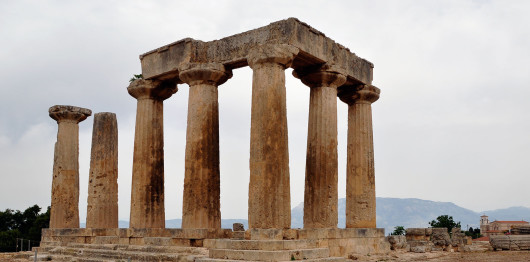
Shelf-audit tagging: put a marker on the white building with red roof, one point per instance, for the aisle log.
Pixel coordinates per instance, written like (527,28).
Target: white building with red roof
(498,227)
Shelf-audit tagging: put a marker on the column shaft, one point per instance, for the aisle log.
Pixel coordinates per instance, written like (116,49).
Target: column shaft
(360,172)
(269,203)
(147,194)
(202,188)
(321,180)
(102,202)
(65,185)
(201,207)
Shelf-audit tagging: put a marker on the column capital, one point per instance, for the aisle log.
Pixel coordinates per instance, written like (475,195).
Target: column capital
(281,54)
(204,73)
(151,89)
(365,94)
(62,113)
(325,75)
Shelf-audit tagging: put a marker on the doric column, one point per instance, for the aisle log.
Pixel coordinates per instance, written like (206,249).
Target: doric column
(102,201)
(321,175)
(65,184)
(202,188)
(269,203)
(360,173)
(147,194)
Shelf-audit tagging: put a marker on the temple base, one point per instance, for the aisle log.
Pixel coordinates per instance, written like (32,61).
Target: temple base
(327,242)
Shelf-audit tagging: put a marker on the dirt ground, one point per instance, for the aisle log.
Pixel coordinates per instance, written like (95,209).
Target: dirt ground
(15,257)
(398,256)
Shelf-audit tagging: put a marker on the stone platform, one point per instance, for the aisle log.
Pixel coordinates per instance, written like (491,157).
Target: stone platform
(214,245)
(133,236)
(341,242)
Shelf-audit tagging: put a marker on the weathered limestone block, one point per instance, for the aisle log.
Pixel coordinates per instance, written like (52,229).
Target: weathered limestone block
(440,237)
(147,194)
(521,230)
(428,231)
(65,185)
(420,249)
(102,202)
(321,179)
(510,242)
(458,239)
(238,227)
(201,208)
(269,189)
(360,173)
(397,242)
(416,234)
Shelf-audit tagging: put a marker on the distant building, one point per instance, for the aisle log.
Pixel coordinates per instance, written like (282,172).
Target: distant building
(497,227)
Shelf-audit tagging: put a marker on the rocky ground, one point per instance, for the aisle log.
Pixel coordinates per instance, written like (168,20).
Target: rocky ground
(398,256)
(401,255)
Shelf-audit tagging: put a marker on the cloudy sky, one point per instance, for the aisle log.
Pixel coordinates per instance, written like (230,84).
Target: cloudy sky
(452,124)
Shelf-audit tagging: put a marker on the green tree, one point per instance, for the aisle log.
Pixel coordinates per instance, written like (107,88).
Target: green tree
(41,221)
(16,224)
(445,221)
(398,231)
(473,233)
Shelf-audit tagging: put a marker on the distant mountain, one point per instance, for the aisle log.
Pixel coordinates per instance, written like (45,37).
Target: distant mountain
(511,213)
(413,212)
(177,223)
(225,223)
(391,212)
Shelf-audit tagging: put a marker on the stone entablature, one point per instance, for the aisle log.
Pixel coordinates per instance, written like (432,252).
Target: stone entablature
(314,49)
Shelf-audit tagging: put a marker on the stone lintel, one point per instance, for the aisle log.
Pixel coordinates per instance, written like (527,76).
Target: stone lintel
(75,114)
(315,49)
(361,94)
(151,89)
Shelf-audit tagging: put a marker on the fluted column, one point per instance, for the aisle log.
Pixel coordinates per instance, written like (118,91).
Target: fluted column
(65,184)
(360,173)
(147,194)
(269,203)
(202,188)
(321,176)
(102,201)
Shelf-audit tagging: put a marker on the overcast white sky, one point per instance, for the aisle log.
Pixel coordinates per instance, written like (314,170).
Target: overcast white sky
(452,123)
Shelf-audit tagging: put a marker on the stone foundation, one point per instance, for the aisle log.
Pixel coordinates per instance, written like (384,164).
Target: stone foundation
(133,236)
(340,242)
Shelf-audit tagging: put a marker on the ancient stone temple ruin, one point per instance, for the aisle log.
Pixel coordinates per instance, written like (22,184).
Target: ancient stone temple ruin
(329,69)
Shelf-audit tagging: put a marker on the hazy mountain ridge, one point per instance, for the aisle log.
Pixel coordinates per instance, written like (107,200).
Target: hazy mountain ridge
(413,212)
(391,212)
